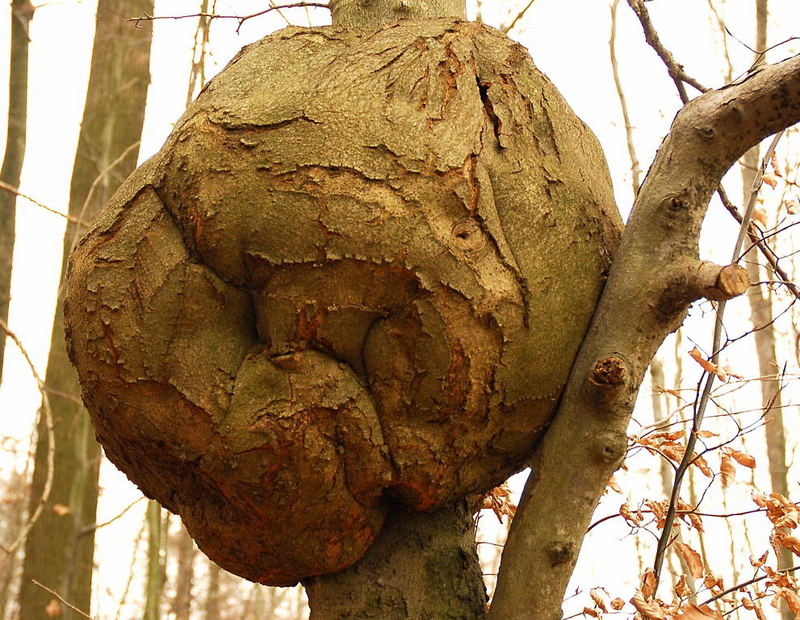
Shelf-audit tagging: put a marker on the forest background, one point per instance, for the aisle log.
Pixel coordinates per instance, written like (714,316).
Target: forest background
(571,41)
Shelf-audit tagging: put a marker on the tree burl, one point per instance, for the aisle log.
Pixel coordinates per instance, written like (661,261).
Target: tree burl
(361,266)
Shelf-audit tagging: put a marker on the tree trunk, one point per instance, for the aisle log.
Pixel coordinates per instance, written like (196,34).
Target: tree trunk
(59,548)
(423,565)
(154,578)
(373,14)
(182,602)
(212,592)
(762,318)
(21,15)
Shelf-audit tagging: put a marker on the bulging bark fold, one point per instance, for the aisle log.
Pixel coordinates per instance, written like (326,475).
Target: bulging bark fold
(361,265)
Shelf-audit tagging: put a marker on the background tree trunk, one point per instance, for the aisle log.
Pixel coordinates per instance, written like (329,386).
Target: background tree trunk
(182,602)
(761,315)
(154,580)
(212,592)
(21,15)
(374,14)
(59,548)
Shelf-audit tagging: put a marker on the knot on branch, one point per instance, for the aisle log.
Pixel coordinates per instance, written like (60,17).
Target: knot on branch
(693,280)
(561,552)
(609,375)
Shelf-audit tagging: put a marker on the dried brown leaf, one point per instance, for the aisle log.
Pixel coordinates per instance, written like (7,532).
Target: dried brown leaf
(649,584)
(61,509)
(770,179)
(759,562)
(791,598)
(692,559)
(53,609)
(649,609)
(599,600)
(727,470)
(693,612)
(744,459)
(708,366)
(681,589)
(634,518)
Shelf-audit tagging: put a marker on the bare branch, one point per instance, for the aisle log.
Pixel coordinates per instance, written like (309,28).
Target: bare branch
(674,69)
(240,18)
(83,614)
(700,407)
(47,412)
(756,237)
(519,16)
(13,190)
(636,170)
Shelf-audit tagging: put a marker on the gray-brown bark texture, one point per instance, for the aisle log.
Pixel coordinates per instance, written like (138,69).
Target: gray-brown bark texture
(361,265)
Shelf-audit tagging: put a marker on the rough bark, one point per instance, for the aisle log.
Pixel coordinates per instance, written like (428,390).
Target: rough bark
(645,298)
(423,565)
(361,266)
(21,15)
(59,548)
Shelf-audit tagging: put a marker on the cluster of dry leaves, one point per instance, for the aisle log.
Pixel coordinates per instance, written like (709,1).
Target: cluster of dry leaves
(768,583)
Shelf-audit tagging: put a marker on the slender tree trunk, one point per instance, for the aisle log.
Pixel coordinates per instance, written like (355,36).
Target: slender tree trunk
(182,602)
(154,579)
(11,517)
(212,592)
(21,15)
(762,318)
(59,548)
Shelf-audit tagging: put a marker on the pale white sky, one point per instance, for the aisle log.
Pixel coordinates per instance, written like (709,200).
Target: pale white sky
(568,40)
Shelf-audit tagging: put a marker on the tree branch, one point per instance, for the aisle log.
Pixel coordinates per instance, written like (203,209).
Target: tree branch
(675,70)
(240,18)
(587,438)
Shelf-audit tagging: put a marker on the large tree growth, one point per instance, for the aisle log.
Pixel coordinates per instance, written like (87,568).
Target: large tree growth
(377,268)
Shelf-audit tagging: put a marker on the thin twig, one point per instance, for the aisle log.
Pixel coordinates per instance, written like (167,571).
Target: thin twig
(675,70)
(13,190)
(688,455)
(757,238)
(61,598)
(636,171)
(51,442)
(749,582)
(96,526)
(97,180)
(520,15)
(240,18)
